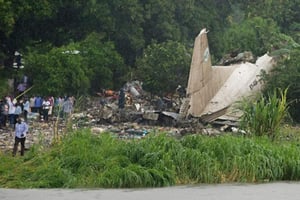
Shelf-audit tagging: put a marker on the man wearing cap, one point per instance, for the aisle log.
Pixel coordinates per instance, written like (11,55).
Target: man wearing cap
(21,130)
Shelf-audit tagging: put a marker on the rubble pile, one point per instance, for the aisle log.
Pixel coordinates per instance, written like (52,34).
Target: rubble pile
(141,115)
(140,111)
(236,57)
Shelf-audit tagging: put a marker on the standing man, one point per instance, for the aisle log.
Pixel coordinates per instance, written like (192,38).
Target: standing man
(121,99)
(67,107)
(46,106)
(21,131)
(26,108)
(11,112)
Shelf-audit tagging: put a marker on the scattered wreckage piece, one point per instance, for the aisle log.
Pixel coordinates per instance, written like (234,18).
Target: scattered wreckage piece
(212,90)
(230,59)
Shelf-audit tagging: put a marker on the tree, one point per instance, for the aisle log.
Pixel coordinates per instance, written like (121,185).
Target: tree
(163,67)
(106,68)
(160,23)
(287,75)
(7,20)
(285,13)
(58,72)
(255,34)
(77,68)
(127,30)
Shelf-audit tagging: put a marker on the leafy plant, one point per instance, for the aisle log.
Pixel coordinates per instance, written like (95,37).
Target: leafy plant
(265,116)
(163,67)
(287,74)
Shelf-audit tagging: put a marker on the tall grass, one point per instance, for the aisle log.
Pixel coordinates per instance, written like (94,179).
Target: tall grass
(265,116)
(82,159)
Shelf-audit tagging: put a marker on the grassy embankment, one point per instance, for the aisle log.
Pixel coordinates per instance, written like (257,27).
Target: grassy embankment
(83,160)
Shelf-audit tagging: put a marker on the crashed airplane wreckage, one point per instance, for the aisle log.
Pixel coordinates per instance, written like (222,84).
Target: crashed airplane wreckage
(209,98)
(212,90)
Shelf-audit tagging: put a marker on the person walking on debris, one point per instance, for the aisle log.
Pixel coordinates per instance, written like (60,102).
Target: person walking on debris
(121,98)
(21,131)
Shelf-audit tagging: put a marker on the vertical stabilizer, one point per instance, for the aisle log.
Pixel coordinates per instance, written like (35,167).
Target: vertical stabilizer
(200,75)
(200,71)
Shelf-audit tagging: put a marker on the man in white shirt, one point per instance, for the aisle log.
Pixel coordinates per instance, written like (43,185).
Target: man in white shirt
(21,131)
(45,111)
(11,111)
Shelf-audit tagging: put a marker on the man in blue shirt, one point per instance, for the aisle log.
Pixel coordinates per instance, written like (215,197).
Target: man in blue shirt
(38,104)
(21,131)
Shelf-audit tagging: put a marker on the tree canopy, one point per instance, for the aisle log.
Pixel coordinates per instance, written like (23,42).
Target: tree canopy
(164,63)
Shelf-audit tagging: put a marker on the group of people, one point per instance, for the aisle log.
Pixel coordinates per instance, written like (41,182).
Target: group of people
(14,112)
(11,108)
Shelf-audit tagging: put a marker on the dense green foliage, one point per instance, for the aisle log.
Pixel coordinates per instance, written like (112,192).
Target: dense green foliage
(114,38)
(76,67)
(251,35)
(171,65)
(85,160)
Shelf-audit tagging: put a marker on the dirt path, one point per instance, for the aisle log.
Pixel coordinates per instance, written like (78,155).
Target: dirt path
(274,191)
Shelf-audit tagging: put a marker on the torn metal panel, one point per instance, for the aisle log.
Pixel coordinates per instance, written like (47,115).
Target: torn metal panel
(150,115)
(173,115)
(212,89)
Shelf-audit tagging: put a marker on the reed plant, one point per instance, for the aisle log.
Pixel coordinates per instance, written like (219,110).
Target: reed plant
(264,116)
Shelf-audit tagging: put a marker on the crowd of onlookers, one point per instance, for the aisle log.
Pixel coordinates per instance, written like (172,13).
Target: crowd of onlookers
(12,108)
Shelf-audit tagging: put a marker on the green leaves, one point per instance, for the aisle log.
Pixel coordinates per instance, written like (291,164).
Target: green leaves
(163,67)
(7,20)
(254,34)
(77,68)
(63,69)
(106,68)
(287,74)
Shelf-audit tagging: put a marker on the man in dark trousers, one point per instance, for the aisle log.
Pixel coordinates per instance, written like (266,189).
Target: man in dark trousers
(21,131)
(121,102)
